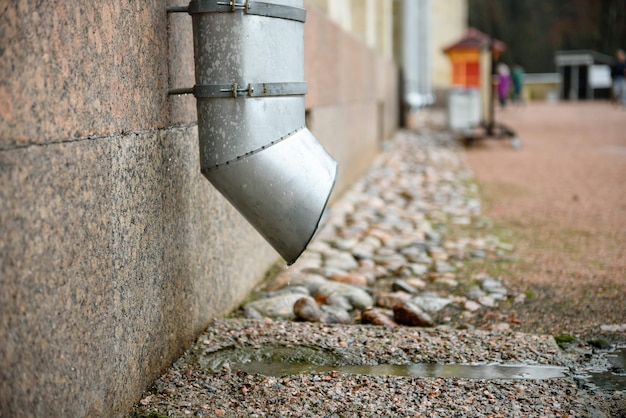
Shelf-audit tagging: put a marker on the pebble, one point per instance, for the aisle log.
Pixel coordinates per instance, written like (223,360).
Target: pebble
(416,282)
(403,286)
(492,285)
(487,301)
(385,245)
(350,278)
(275,307)
(377,316)
(306,309)
(412,316)
(310,281)
(333,314)
(446,281)
(358,298)
(475,293)
(419,269)
(389,300)
(341,260)
(500,327)
(339,301)
(302,290)
(471,306)
(430,303)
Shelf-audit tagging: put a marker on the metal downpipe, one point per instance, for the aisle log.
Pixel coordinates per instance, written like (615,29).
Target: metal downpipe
(254,145)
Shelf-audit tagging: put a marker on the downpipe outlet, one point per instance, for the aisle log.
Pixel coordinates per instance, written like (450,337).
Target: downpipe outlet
(254,146)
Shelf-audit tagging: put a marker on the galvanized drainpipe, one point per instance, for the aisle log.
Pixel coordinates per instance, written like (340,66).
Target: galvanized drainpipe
(416,54)
(254,145)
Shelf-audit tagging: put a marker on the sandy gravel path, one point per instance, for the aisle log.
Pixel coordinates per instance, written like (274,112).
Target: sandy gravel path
(563,197)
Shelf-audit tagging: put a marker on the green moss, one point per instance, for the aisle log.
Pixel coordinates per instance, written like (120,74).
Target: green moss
(564,339)
(530,295)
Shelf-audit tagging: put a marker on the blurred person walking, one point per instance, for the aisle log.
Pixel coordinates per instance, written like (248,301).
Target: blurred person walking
(618,75)
(504,83)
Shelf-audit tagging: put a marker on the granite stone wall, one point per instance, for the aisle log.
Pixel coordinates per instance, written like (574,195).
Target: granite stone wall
(114,250)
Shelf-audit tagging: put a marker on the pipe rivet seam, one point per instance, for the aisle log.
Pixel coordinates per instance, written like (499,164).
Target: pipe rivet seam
(251,153)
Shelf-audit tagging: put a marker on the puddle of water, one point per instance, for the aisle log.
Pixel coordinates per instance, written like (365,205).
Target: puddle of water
(488,371)
(611,375)
(280,360)
(235,356)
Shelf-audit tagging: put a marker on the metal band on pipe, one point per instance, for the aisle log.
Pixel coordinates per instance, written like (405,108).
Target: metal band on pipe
(249,7)
(249,90)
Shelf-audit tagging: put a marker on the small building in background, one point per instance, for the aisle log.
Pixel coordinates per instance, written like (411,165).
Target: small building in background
(472,59)
(542,87)
(584,74)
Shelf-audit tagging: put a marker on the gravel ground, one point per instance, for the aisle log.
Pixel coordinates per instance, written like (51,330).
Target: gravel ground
(190,387)
(412,231)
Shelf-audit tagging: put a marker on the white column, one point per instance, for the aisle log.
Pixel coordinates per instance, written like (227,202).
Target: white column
(340,12)
(370,23)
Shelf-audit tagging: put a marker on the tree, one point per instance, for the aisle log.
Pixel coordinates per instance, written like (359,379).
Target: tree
(534,30)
